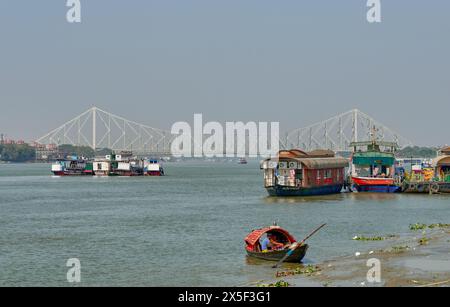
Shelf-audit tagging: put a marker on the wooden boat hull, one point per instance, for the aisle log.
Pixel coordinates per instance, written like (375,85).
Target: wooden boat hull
(296,257)
(313,191)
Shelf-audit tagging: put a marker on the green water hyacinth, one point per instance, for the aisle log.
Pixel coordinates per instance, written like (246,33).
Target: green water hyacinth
(419,226)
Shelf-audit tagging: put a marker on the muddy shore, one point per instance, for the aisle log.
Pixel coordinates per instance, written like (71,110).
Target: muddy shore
(419,259)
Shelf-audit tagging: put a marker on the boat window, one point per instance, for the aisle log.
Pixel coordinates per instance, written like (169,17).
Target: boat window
(327,174)
(319,177)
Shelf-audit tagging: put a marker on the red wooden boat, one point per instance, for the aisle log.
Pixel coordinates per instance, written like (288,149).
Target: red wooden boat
(361,181)
(253,245)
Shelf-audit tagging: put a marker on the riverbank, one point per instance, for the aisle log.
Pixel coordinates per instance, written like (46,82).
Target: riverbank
(421,259)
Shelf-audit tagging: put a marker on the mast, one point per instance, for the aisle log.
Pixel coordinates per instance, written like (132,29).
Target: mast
(94,128)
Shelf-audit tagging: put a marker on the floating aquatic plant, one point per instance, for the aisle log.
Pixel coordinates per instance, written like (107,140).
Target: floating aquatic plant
(419,226)
(307,271)
(399,249)
(423,241)
(377,238)
(278,284)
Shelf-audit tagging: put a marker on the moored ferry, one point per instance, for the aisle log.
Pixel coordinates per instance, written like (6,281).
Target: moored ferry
(373,166)
(298,173)
(72,166)
(118,165)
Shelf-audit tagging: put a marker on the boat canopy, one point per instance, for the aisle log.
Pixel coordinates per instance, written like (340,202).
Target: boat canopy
(373,158)
(445,151)
(316,159)
(252,240)
(323,163)
(441,161)
(297,153)
(311,163)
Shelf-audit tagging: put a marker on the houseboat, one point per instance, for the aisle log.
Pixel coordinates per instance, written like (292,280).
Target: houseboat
(72,166)
(430,180)
(298,173)
(153,167)
(373,167)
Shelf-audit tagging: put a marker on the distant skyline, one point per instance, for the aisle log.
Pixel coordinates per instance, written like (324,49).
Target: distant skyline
(158,62)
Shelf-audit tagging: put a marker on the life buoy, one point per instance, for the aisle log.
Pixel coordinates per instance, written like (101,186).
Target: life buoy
(434,188)
(412,187)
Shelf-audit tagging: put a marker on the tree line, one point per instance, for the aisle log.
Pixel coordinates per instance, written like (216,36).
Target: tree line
(17,153)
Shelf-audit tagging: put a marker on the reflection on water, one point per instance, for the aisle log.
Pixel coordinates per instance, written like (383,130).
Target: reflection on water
(304,199)
(373,196)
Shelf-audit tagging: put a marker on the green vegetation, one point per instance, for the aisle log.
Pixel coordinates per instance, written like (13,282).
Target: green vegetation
(417,152)
(307,271)
(423,241)
(17,153)
(278,284)
(378,238)
(399,249)
(419,226)
(80,151)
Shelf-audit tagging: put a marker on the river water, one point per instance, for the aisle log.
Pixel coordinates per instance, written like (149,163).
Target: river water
(184,229)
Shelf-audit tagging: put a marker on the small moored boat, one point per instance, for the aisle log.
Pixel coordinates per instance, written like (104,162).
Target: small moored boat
(253,245)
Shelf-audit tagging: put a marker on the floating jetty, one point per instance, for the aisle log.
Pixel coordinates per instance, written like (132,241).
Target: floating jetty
(430,180)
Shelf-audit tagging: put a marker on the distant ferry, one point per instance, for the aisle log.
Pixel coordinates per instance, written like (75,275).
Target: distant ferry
(298,173)
(153,168)
(72,166)
(242,161)
(119,165)
(373,166)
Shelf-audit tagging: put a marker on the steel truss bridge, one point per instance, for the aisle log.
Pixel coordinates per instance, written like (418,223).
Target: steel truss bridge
(338,132)
(99,129)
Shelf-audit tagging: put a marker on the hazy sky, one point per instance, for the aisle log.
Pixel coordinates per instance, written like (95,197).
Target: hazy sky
(157,62)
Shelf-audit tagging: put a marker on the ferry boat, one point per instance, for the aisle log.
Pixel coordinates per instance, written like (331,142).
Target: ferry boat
(152,167)
(298,173)
(72,166)
(242,161)
(119,165)
(373,166)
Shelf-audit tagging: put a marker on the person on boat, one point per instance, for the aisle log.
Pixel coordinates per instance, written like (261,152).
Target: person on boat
(270,243)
